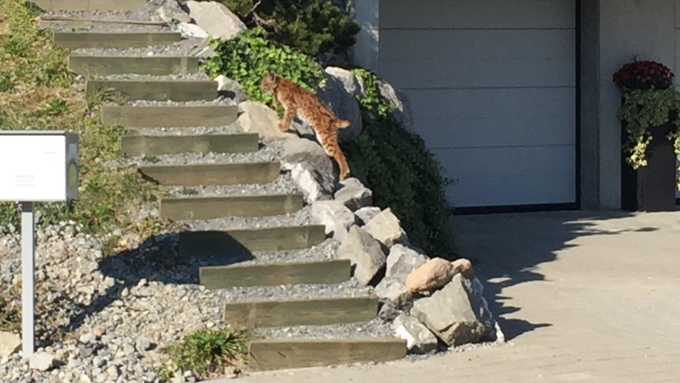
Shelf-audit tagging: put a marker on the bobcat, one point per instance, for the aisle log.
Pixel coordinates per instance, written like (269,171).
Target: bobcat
(304,104)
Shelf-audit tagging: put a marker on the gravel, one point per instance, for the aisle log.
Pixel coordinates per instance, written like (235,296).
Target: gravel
(302,217)
(123,309)
(200,76)
(146,14)
(181,48)
(265,154)
(376,328)
(284,184)
(224,101)
(183,131)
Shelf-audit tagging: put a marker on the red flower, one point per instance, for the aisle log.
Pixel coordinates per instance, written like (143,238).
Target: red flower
(644,75)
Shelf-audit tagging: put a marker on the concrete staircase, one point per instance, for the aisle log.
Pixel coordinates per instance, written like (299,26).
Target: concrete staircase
(265,354)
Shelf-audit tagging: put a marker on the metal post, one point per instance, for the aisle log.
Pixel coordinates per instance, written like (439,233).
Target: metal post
(27,278)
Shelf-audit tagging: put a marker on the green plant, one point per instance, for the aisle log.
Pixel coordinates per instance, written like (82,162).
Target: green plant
(403,174)
(313,27)
(247,57)
(43,95)
(189,191)
(648,100)
(206,353)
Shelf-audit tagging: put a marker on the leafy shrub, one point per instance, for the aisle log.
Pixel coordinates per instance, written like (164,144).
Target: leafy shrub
(403,174)
(206,352)
(42,95)
(313,27)
(247,57)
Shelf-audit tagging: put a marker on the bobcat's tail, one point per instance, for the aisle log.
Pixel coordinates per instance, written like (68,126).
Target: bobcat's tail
(342,124)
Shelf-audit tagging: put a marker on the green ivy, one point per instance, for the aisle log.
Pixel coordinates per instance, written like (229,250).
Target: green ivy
(247,57)
(402,172)
(641,110)
(313,27)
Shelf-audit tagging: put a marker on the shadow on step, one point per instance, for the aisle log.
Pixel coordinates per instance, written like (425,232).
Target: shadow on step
(166,259)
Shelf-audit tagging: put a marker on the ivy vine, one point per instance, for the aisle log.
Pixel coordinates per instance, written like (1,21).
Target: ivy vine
(643,109)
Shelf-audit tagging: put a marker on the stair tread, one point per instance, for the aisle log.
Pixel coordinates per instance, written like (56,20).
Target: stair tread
(284,184)
(183,48)
(370,330)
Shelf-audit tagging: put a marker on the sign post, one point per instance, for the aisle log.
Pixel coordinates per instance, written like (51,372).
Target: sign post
(38,166)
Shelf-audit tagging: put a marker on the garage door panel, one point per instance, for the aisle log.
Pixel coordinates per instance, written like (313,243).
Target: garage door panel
(474,44)
(489,117)
(491,85)
(410,74)
(508,161)
(517,190)
(477,14)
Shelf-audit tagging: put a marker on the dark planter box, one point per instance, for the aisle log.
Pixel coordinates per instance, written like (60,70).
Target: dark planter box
(651,188)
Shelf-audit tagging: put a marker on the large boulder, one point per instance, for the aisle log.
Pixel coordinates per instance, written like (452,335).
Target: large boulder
(385,227)
(172,12)
(365,254)
(431,276)
(215,18)
(455,314)
(402,112)
(419,340)
(9,344)
(354,194)
(256,117)
(343,105)
(314,184)
(352,84)
(337,218)
(312,170)
(297,150)
(400,264)
(366,214)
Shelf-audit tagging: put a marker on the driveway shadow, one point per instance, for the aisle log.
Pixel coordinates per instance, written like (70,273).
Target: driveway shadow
(505,249)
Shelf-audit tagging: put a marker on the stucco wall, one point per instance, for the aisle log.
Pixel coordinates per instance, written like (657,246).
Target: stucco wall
(623,30)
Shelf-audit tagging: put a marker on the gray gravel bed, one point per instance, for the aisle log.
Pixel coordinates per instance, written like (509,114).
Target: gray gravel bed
(265,154)
(302,217)
(200,76)
(224,101)
(348,289)
(284,184)
(180,48)
(198,130)
(376,328)
(147,13)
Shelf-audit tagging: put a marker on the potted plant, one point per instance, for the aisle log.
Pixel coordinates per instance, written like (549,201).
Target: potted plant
(650,135)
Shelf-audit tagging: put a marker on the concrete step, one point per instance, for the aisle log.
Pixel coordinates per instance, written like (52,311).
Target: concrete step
(250,240)
(138,145)
(237,173)
(200,208)
(275,274)
(94,66)
(301,312)
(157,90)
(169,116)
(85,39)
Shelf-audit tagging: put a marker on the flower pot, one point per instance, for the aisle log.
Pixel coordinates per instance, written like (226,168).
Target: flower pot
(652,187)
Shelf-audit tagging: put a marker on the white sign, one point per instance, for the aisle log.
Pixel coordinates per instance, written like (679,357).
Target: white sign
(38,166)
(35,166)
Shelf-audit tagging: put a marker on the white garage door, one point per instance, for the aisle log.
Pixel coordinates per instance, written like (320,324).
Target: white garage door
(492,89)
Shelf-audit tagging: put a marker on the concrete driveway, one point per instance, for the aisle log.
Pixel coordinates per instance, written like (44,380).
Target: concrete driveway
(582,297)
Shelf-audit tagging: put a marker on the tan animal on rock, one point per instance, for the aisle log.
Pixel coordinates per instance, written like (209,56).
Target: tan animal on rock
(303,103)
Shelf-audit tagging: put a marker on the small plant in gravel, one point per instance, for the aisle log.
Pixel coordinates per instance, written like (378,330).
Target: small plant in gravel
(313,27)
(247,57)
(402,172)
(38,92)
(206,353)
